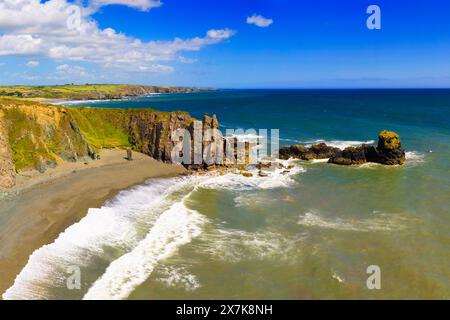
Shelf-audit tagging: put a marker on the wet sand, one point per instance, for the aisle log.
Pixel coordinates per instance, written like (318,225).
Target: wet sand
(41,206)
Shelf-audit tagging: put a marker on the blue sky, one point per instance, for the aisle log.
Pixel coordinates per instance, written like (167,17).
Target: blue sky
(310,44)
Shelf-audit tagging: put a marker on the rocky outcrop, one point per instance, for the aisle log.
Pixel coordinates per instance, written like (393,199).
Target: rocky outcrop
(316,151)
(149,132)
(388,152)
(350,156)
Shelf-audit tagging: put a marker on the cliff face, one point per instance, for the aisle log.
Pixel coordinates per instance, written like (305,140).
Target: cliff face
(144,130)
(7,168)
(37,136)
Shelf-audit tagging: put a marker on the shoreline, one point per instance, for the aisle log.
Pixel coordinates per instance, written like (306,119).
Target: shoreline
(64,101)
(41,206)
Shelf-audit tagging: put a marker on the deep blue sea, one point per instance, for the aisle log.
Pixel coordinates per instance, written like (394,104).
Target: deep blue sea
(311,234)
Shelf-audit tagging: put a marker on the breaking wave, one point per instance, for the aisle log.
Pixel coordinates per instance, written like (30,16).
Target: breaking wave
(175,227)
(113,225)
(341,144)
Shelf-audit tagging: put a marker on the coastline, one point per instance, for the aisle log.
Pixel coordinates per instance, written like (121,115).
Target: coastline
(42,206)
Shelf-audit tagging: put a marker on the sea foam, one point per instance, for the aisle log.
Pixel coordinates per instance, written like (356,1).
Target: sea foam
(382,222)
(175,227)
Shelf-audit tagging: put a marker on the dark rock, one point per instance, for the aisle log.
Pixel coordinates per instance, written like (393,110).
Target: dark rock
(316,151)
(350,156)
(262,173)
(129,154)
(389,150)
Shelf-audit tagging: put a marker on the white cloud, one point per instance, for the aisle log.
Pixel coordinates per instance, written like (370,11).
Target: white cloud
(259,20)
(32,63)
(143,5)
(69,72)
(19,45)
(40,30)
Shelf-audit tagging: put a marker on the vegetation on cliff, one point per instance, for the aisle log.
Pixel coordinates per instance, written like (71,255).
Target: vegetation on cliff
(40,136)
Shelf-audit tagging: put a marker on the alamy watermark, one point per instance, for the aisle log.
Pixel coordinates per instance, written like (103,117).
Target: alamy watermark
(73,281)
(374,280)
(374,20)
(73,21)
(197,146)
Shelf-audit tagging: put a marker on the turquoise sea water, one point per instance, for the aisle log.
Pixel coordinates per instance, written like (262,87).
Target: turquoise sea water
(309,234)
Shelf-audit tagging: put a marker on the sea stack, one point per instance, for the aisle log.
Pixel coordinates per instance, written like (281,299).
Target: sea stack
(388,151)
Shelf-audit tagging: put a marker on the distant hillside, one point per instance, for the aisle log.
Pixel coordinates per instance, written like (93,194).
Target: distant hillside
(89,91)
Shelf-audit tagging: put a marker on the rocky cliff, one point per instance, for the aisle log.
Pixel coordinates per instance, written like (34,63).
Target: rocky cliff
(38,136)
(7,168)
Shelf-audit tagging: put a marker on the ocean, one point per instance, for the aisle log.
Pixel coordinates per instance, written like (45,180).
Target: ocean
(309,234)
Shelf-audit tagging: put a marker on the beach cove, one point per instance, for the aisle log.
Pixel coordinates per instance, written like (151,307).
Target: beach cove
(309,234)
(43,205)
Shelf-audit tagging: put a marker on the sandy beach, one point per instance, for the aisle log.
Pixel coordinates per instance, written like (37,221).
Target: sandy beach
(41,206)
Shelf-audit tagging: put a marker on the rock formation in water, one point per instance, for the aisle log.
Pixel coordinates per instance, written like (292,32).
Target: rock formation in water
(388,152)
(316,151)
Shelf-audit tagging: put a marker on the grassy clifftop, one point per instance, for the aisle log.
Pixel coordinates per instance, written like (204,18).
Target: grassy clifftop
(87,92)
(34,135)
